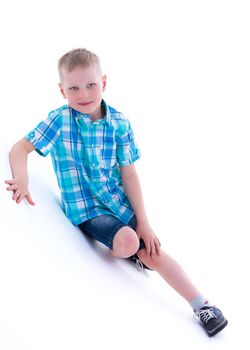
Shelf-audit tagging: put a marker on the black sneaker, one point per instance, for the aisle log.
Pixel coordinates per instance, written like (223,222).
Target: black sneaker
(138,263)
(211,319)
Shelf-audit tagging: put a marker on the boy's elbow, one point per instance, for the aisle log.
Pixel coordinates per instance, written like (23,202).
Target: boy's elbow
(15,149)
(22,146)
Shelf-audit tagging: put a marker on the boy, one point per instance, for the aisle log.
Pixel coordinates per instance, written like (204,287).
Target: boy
(93,151)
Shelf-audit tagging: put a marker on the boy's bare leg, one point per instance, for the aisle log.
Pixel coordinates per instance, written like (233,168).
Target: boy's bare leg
(171,272)
(211,318)
(126,243)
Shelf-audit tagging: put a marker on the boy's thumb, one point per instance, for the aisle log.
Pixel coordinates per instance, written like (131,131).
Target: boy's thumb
(29,199)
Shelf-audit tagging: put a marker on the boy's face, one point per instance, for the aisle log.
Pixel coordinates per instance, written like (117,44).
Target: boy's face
(83,89)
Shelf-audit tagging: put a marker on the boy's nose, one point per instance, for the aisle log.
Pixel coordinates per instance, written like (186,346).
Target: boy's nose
(83,94)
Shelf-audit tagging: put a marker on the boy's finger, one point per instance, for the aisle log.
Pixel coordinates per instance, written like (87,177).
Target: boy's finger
(12,187)
(148,248)
(16,195)
(30,200)
(158,247)
(20,198)
(153,250)
(9,182)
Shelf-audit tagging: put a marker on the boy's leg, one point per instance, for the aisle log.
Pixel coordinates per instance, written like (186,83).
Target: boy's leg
(120,238)
(126,243)
(171,272)
(209,315)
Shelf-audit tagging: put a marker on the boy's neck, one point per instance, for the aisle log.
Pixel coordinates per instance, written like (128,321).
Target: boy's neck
(100,115)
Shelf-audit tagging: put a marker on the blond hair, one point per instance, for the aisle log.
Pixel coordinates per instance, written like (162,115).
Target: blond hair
(78,58)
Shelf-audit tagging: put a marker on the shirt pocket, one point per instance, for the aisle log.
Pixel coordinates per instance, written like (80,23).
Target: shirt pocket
(108,153)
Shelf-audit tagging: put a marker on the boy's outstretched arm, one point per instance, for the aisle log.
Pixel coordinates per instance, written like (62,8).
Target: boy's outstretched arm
(133,190)
(18,160)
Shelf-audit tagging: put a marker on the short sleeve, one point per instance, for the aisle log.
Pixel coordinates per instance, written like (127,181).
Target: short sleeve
(45,135)
(127,151)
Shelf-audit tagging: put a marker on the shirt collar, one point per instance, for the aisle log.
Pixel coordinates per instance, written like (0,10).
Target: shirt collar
(85,117)
(105,107)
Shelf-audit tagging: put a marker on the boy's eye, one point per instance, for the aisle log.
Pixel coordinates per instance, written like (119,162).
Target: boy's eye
(74,88)
(91,85)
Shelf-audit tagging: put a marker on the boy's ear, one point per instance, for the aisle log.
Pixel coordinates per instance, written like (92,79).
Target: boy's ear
(104,82)
(62,90)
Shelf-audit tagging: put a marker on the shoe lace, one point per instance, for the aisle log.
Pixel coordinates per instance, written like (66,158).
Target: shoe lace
(139,264)
(205,315)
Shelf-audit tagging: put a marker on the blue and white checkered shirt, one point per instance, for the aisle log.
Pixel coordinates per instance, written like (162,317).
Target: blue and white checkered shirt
(86,157)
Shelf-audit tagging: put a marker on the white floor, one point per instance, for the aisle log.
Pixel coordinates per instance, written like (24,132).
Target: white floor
(180,71)
(61,291)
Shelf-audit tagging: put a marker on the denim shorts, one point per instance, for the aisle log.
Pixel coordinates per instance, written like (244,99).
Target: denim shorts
(103,228)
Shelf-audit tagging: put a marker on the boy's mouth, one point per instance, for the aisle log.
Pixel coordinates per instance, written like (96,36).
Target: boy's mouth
(85,103)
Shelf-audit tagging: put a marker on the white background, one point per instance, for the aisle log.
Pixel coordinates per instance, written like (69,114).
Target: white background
(180,71)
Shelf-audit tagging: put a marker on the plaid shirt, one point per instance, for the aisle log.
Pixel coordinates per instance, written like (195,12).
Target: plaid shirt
(86,157)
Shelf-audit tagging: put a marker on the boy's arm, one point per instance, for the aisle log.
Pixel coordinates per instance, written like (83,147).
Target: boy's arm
(133,190)
(18,160)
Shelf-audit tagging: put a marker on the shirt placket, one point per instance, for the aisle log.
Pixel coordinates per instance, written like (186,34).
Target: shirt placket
(97,187)
(92,148)
(100,190)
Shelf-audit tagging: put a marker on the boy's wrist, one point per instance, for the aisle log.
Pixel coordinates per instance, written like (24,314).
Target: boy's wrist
(21,179)
(142,219)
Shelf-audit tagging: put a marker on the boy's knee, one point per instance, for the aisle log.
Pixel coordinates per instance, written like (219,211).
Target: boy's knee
(126,243)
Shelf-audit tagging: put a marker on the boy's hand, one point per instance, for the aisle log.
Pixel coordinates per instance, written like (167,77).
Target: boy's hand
(152,243)
(20,191)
